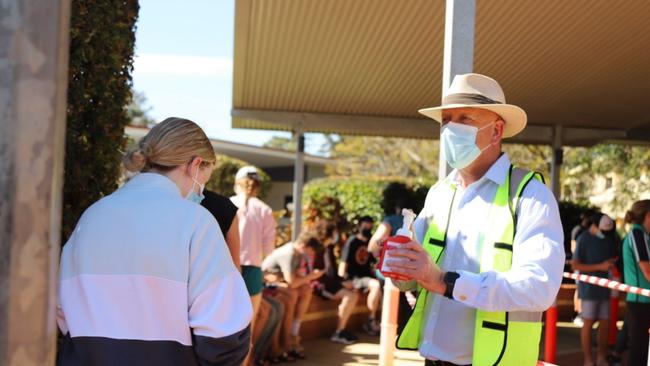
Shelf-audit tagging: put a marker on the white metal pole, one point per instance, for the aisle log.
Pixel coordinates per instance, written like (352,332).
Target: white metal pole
(458,57)
(390,307)
(298,182)
(556,161)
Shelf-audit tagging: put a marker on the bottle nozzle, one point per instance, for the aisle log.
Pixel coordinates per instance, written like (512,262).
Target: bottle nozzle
(409,217)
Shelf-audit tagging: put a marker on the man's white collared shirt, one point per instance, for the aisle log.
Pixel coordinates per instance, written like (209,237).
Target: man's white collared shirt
(530,285)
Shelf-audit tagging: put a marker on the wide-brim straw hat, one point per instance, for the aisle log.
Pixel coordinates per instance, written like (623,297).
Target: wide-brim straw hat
(480,91)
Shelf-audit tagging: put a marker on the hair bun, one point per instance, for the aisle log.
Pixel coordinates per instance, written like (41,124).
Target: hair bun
(135,160)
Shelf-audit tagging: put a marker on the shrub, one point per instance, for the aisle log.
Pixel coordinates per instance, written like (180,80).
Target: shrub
(345,200)
(102,37)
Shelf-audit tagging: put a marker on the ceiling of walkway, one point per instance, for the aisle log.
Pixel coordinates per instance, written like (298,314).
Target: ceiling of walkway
(367,66)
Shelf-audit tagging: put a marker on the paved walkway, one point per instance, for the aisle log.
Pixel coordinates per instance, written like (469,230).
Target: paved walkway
(366,352)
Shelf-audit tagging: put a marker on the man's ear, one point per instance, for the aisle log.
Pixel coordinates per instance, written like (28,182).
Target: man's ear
(499,127)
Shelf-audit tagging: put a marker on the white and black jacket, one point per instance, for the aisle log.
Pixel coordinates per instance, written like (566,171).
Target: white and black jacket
(146,279)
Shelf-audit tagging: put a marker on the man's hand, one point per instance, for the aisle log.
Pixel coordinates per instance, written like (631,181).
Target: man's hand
(412,260)
(347,285)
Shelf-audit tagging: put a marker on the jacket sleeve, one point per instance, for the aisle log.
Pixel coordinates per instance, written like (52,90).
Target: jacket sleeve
(220,310)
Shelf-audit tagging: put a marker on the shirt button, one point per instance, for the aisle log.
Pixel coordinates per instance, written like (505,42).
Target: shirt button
(463,297)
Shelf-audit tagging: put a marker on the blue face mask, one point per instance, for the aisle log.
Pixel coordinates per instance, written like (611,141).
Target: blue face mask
(459,144)
(192,195)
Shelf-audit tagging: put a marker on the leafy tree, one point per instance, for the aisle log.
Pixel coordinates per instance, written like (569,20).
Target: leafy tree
(102,38)
(289,144)
(282,143)
(533,157)
(628,163)
(384,157)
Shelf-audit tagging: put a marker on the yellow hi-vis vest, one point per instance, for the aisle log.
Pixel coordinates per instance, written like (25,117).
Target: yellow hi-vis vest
(500,338)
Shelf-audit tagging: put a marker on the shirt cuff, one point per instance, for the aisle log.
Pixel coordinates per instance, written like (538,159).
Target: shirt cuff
(467,287)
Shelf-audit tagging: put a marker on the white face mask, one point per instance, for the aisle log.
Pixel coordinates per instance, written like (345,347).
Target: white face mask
(459,144)
(193,195)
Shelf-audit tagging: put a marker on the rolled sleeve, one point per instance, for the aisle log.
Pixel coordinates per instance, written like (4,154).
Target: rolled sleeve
(538,261)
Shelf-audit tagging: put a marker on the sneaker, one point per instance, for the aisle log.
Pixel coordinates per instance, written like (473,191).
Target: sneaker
(350,335)
(343,337)
(298,355)
(578,320)
(371,327)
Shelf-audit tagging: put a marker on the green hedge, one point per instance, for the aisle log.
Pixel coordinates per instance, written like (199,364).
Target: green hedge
(102,39)
(344,200)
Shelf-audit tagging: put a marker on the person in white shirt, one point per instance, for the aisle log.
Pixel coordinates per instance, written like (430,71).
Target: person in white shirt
(146,277)
(485,277)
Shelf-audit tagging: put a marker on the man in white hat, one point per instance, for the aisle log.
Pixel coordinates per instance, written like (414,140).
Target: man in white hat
(488,253)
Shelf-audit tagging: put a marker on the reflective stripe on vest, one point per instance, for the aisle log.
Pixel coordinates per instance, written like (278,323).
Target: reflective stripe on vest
(500,338)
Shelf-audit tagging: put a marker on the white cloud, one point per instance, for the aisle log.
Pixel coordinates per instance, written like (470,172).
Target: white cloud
(149,64)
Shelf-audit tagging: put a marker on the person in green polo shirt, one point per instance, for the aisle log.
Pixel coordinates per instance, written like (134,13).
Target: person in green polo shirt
(636,261)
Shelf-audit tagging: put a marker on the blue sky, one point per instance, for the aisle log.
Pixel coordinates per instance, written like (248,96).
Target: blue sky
(183,66)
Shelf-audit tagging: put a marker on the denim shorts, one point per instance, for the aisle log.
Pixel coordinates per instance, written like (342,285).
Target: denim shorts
(595,309)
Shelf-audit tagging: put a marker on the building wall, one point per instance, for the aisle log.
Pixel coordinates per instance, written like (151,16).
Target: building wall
(277,194)
(282,184)
(606,189)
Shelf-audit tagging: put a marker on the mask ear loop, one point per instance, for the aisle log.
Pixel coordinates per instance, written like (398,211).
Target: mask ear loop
(195,180)
(196,176)
(484,127)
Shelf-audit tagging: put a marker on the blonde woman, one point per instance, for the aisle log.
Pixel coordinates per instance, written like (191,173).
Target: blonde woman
(146,277)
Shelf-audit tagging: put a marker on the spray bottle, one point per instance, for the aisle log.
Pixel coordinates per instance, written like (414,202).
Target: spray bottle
(403,236)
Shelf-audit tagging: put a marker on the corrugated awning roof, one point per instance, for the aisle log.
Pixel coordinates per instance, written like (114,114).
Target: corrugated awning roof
(367,66)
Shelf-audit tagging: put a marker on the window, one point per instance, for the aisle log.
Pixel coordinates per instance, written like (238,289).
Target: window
(608,182)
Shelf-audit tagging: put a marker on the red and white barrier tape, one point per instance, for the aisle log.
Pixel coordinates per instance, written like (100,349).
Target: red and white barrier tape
(604,282)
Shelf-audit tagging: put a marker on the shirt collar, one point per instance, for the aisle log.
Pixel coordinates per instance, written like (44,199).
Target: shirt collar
(638,226)
(496,173)
(154,181)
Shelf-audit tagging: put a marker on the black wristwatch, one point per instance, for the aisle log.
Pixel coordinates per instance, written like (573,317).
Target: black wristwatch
(450,280)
